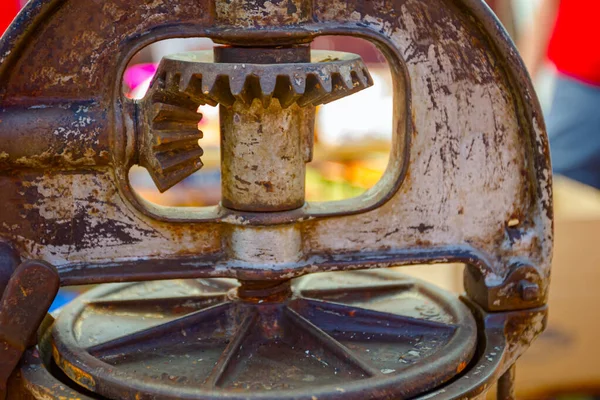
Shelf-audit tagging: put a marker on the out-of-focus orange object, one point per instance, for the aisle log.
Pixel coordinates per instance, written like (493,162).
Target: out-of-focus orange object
(8,11)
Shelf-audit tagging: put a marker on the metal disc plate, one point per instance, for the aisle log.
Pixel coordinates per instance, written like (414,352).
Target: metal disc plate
(351,335)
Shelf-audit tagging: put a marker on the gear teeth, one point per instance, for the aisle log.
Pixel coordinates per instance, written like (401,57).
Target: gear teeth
(166,181)
(325,81)
(209,88)
(173,80)
(364,77)
(174,126)
(188,102)
(185,80)
(237,84)
(314,91)
(251,90)
(170,160)
(183,138)
(173,150)
(343,85)
(221,91)
(209,81)
(169,112)
(267,86)
(335,75)
(298,81)
(286,92)
(165,90)
(192,88)
(169,146)
(346,79)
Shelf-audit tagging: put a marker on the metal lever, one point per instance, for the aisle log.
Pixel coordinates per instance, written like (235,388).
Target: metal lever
(26,300)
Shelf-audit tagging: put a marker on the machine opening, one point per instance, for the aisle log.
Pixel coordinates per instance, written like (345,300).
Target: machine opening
(352,135)
(447,276)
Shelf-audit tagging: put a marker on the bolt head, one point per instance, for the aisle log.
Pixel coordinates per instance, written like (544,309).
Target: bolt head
(529,290)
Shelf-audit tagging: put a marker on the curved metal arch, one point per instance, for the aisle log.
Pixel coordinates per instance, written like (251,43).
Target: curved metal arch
(32,78)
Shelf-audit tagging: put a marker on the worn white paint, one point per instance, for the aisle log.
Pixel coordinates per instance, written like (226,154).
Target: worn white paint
(260,246)
(465,180)
(62,199)
(468,149)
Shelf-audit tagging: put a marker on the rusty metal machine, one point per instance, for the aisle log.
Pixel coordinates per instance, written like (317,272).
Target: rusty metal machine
(266,296)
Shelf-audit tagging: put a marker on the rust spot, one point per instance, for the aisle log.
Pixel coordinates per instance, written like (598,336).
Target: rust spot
(422,228)
(266,184)
(237,178)
(73,372)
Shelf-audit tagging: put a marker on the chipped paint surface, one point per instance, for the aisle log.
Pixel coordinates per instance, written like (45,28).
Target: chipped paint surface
(263,13)
(263,157)
(260,246)
(79,70)
(68,134)
(71,218)
(468,162)
(520,339)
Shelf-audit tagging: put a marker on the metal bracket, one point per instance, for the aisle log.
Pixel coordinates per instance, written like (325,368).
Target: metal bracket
(523,288)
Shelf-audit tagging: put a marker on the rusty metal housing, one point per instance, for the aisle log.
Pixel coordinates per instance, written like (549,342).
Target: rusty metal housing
(469,181)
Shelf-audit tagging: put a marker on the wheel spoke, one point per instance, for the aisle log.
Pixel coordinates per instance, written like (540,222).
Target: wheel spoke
(355,287)
(136,339)
(388,341)
(173,305)
(212,285)
(373,289)
(331,314)
(216,376)
(331,344)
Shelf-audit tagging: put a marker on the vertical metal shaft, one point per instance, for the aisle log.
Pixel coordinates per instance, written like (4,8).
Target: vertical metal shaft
(506,385)
(263,147)
(263,157)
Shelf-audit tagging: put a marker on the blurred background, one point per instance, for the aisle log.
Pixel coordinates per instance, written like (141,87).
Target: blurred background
(560,43)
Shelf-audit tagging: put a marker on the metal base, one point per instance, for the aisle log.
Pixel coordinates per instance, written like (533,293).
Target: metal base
(502,338)
(358,335)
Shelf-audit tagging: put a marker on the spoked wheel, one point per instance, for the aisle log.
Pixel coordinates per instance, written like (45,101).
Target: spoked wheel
(346,335)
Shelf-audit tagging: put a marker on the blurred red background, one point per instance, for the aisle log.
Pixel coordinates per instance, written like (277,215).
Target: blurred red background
(8,11)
